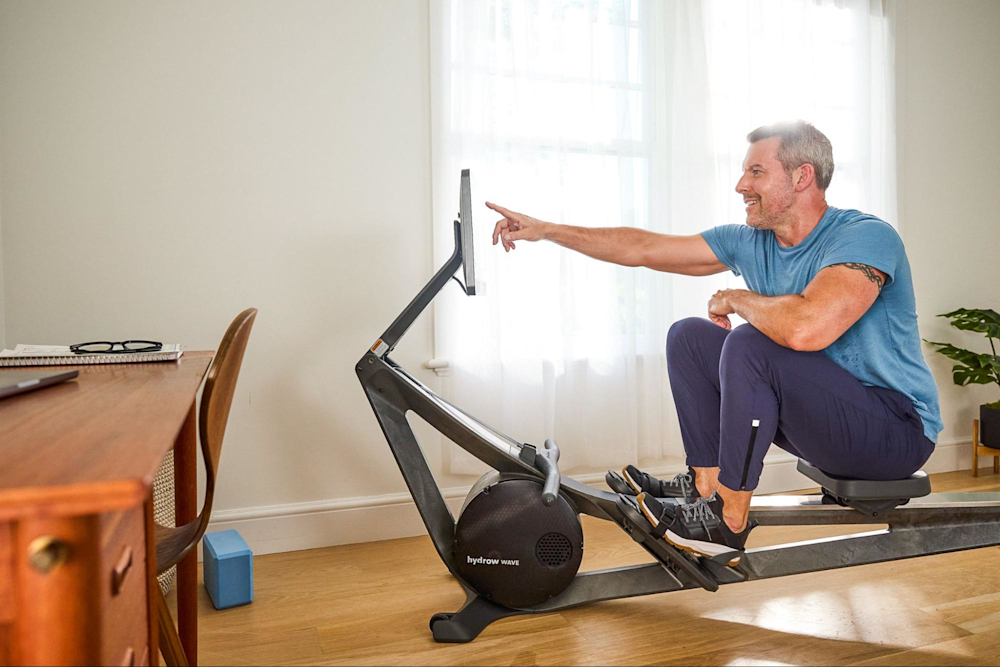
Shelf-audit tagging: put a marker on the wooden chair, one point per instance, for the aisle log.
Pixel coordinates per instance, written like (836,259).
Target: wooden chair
(982,450)
(173,544)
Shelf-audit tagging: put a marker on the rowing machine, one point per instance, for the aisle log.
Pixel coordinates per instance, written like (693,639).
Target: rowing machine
(517,544)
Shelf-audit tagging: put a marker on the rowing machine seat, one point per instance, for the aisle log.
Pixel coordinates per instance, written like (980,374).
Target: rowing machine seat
(867,496)
(916,485)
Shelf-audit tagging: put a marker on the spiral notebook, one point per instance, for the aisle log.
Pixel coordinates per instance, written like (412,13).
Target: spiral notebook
(60,355)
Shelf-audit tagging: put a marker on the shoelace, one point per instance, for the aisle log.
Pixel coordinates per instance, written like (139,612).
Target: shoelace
(684,481)
(699,512)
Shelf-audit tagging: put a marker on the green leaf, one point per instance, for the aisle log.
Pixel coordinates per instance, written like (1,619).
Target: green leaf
(959,354)
(964,375)
(985,321)
(972,368)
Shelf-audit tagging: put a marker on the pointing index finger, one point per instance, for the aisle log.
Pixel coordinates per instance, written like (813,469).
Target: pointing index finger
(501,210)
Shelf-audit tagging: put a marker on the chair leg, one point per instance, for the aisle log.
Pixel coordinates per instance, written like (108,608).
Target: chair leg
(170,643)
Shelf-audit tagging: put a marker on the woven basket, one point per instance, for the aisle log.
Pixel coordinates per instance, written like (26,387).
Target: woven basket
(163,510)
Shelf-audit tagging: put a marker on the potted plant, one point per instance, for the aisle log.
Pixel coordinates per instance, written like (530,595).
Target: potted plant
(977,368)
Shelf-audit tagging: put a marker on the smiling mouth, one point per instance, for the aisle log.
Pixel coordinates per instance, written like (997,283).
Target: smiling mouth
(751,202)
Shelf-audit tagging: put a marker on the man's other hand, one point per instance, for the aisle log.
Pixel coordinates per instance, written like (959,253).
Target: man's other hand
(516,227)
(719,309)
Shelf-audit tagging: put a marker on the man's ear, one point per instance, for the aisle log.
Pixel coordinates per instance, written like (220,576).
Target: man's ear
(805,175)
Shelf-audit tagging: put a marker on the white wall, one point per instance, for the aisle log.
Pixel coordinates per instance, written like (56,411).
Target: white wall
(163,166)
(949,157)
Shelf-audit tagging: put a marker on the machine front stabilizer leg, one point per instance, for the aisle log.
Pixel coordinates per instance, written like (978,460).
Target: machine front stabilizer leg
(465,624)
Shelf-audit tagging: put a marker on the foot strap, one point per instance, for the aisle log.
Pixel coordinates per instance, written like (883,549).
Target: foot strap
(618,484)
(636,524)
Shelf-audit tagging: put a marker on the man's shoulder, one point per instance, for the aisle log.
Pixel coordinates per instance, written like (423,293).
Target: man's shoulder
(854,223)
(732,232)
(849,217)
(738,232)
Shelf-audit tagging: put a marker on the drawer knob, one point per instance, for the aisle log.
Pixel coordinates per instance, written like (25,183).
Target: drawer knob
(122,568)
(46,553)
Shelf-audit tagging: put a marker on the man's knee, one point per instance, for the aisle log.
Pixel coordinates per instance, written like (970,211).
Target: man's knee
(683,331)
(746,339)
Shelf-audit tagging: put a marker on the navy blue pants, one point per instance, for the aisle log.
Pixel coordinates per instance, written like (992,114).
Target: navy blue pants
(738,391)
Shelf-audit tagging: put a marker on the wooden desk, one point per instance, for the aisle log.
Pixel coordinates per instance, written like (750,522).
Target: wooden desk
(77,463)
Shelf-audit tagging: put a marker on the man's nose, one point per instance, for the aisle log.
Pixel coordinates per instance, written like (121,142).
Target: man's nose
(740,186)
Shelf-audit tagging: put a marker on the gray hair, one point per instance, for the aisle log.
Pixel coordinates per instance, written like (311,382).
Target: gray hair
(800,143)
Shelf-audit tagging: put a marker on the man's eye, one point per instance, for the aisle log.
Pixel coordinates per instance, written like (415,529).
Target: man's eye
(757,172)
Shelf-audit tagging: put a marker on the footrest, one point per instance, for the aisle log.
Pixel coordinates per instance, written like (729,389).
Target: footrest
(916,485)
(673,560)
(617,483)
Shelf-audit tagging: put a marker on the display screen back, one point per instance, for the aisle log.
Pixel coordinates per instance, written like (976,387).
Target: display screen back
(468,247)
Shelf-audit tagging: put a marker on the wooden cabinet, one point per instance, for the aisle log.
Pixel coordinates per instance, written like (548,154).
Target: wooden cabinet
(77,553)
(73,590)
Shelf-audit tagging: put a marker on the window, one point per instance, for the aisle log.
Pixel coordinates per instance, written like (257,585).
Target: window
(624,113)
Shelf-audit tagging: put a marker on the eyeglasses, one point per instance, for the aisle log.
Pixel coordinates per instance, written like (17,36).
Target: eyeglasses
(127,347)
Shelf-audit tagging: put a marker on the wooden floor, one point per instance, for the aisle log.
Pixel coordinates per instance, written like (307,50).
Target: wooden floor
(369,604)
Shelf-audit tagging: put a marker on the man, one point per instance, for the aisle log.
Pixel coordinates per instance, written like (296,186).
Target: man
(828,367)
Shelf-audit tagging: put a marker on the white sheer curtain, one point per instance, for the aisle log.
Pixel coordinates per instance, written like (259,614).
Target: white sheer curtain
(622,113)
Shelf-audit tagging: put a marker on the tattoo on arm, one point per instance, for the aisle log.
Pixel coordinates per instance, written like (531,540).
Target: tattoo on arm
(867,270)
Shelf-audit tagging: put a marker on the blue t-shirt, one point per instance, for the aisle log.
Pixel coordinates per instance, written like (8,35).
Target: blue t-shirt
(882,348)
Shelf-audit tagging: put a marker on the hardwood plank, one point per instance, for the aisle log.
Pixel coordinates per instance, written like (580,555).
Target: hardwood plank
(271,647)
(531,639)
(975,614)
(978,649)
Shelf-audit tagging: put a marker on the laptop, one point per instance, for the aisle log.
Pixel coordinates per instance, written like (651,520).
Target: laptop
(18,382)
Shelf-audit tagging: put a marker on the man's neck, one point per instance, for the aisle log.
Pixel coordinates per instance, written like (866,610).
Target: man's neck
(798,225)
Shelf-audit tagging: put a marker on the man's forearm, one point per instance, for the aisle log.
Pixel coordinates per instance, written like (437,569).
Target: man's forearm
(618,245)
(781,318)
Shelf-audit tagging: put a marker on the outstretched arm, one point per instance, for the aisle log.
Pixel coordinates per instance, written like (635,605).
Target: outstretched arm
(829,305)
(627,246)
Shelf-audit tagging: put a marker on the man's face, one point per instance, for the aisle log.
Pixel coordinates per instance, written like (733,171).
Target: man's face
(767,190)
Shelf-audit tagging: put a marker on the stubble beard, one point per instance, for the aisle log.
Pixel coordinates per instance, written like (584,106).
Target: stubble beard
(769,216)
(760,219)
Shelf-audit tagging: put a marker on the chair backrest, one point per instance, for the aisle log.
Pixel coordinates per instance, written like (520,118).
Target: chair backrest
(217,398)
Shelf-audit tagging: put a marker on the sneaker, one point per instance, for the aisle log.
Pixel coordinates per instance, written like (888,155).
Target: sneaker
(696,527)
(633,481)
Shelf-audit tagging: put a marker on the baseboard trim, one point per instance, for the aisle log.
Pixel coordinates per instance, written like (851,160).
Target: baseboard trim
(313,525)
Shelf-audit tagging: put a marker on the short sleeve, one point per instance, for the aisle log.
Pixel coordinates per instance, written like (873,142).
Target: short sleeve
(726,241)
(871,242)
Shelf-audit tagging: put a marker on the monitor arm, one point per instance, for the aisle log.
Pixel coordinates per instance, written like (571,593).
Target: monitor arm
(387,342)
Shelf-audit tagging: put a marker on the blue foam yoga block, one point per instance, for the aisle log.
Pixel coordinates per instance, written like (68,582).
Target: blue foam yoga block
(228,569)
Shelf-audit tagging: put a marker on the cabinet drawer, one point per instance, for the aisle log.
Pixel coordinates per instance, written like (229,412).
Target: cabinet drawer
(123,588)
